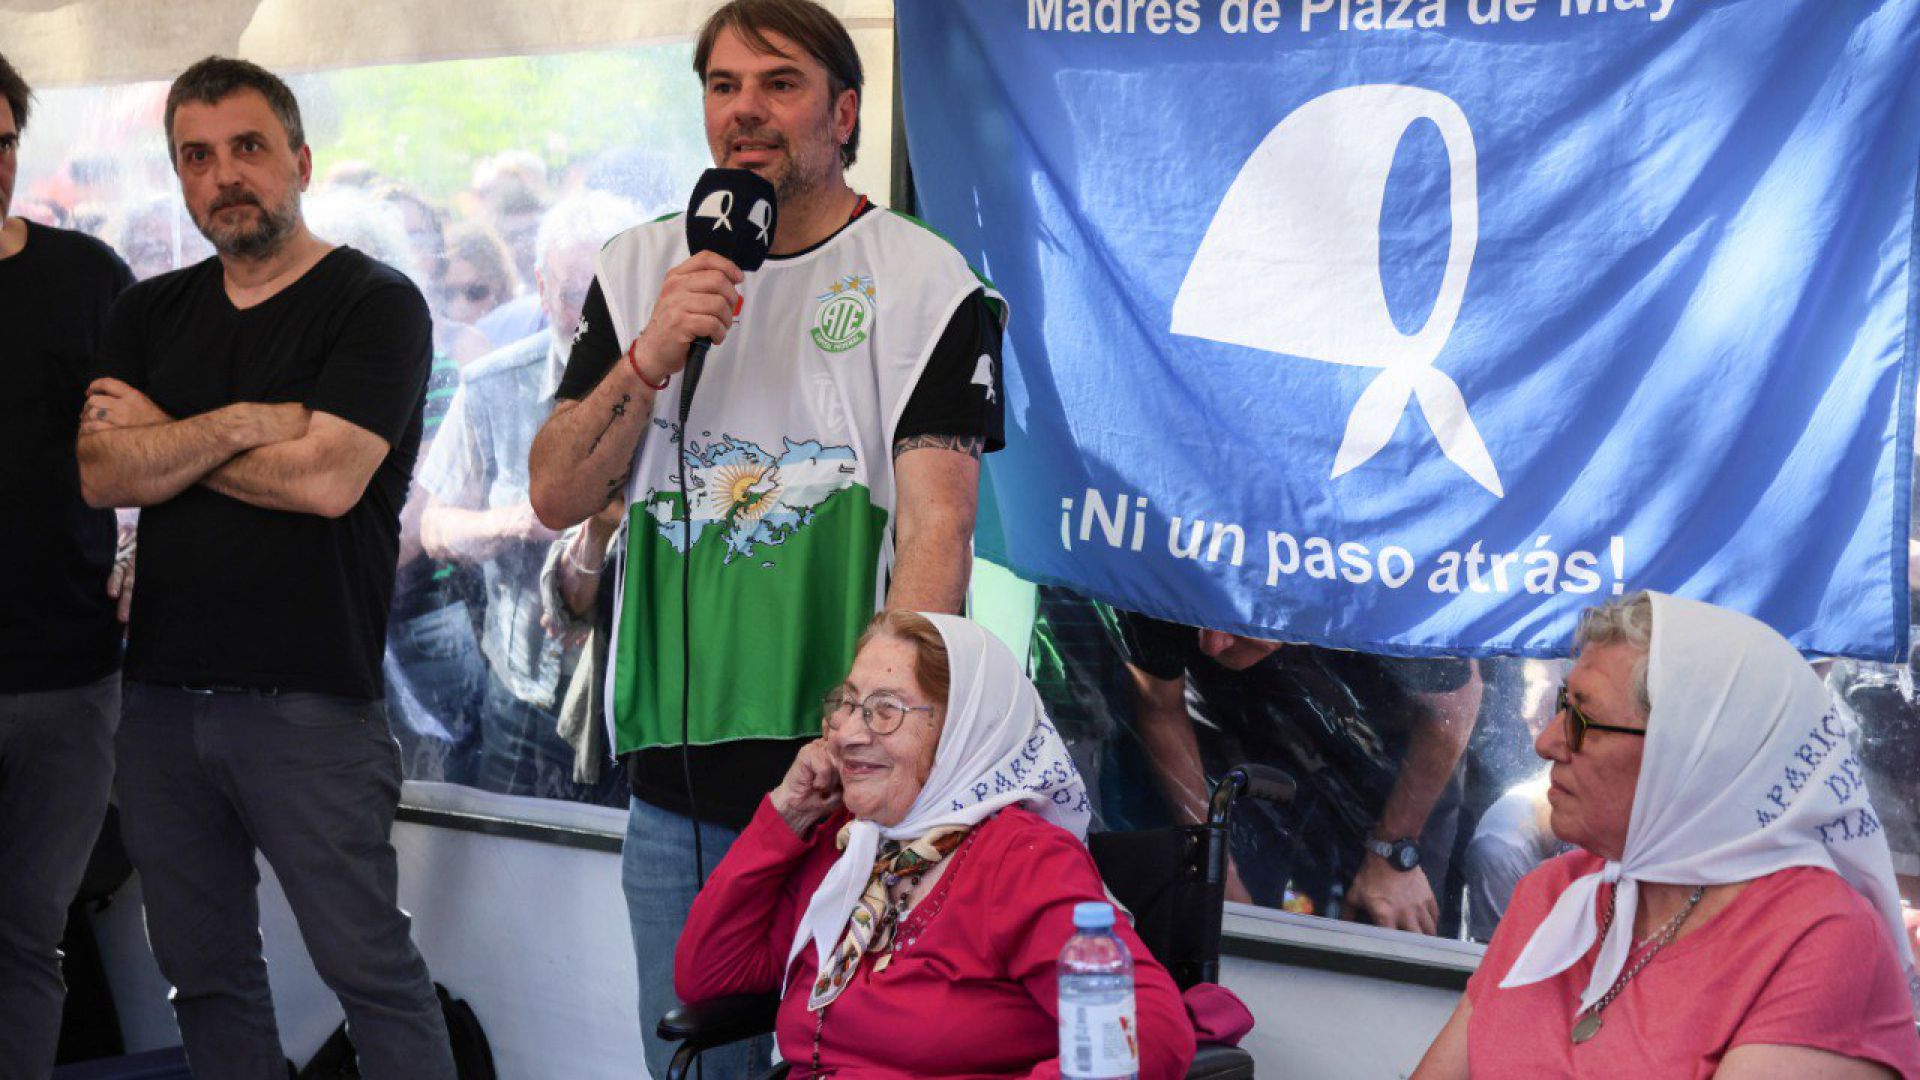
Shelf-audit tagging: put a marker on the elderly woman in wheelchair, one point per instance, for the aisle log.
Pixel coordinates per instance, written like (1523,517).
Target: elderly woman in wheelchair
(910,883)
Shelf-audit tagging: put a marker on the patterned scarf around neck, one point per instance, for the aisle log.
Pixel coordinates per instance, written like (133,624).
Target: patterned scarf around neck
(873,922)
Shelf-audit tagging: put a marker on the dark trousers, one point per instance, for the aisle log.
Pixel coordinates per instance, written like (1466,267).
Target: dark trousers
(56,770)
(311,781)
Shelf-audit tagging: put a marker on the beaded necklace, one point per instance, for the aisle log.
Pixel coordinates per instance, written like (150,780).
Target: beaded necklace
(1589,1024)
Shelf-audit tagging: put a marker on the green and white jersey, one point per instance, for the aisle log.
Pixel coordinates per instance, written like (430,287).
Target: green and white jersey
(789,475)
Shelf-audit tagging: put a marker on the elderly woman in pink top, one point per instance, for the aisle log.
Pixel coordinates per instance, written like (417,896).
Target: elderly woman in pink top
(1732,912)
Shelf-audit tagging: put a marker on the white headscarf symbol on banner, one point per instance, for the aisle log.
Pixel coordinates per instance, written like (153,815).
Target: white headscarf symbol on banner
(1301,224)
(1748,770)
(997,748)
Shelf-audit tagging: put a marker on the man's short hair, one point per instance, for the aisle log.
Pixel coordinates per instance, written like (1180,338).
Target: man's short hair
(587,219)
(18,94)
(807,25)
(217,78)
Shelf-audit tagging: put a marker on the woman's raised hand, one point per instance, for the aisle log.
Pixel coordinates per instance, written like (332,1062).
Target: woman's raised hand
(811,789)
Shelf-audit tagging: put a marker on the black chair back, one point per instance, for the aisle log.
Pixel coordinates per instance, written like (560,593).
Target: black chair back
(1174,880)
(1159,876)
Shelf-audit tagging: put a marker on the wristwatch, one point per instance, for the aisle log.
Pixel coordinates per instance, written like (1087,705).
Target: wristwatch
(1402,854)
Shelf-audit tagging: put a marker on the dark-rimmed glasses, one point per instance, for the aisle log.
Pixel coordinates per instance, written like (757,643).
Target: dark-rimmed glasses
(882,712)
(1578,724)
(473,292)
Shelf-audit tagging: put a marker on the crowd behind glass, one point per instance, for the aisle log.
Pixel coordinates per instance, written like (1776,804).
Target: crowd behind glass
(489,657)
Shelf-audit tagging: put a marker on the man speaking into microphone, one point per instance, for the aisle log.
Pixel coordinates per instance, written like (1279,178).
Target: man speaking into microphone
(830,463)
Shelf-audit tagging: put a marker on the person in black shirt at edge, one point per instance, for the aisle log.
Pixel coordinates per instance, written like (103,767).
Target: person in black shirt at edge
(1374,743)
(781,87)
(59,638)
(264,408)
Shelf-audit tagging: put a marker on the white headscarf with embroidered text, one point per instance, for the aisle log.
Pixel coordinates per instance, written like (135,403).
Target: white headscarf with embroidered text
(997,749)
(1748,770)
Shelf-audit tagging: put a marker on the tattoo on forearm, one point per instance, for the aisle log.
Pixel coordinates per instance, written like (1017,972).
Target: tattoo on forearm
(970,445)
(619,410)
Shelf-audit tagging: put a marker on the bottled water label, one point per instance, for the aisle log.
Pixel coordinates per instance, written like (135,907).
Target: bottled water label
(1098,1040)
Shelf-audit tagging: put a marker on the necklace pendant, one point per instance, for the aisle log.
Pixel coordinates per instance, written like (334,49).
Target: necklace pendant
(1587,1028)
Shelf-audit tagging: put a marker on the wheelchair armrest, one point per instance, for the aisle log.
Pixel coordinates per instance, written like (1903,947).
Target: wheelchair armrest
(1255,781)
(702,1024)
(1268,784)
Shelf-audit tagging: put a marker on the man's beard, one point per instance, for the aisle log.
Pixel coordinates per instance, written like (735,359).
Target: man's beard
(792,183)
(793,177)
(783,172)
(250,241)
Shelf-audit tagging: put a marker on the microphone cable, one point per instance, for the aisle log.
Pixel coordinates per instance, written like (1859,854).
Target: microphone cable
(686,632)
(713,200)
(686,642)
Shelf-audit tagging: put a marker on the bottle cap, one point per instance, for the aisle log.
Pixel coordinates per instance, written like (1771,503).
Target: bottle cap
(1093,915)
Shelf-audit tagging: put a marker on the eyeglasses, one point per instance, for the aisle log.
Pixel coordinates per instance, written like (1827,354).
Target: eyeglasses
(1578,725)
(883,713)
(472,291)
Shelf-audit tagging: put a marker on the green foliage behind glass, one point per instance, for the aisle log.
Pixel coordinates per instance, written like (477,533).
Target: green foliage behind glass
(429,123)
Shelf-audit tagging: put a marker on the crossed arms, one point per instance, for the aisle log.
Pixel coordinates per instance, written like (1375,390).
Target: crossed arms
(277,457)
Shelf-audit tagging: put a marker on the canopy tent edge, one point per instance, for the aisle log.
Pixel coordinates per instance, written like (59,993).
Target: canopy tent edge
(109,42)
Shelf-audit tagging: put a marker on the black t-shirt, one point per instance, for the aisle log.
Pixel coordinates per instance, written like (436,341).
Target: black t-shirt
(1338,720)
(1167,650)
(235,595)
(57,625)
(729,780)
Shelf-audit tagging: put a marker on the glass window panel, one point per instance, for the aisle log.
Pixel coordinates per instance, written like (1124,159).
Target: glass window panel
(448,171)
(1155,713)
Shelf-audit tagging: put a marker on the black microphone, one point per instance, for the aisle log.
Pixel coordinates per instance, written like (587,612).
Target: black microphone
(733,212)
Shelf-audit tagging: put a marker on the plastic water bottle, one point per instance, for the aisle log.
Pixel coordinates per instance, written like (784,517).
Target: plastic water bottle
(1098,1038)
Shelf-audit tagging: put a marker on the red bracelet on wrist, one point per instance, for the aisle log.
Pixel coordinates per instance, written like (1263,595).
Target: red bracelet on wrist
(634,362)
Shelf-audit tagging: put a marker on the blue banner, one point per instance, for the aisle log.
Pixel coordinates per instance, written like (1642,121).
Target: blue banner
(1416,326)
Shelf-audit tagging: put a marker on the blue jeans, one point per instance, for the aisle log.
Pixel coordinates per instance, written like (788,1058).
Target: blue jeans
(657,874)
(435,679)
(522,755)
(519,752)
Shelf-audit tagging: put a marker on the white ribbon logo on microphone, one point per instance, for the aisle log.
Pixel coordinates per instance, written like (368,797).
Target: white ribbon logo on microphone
(717,208)
(761,216)
(1302,221)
